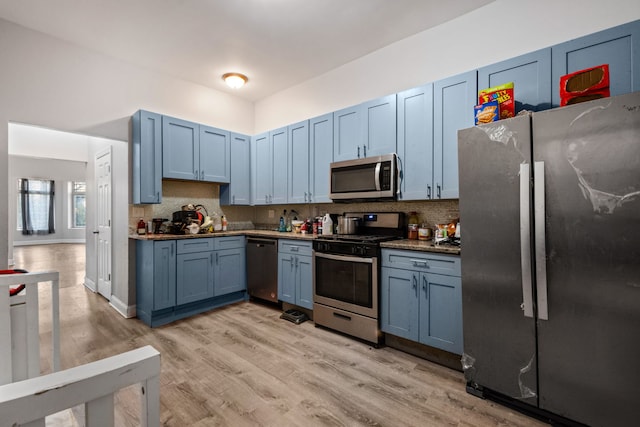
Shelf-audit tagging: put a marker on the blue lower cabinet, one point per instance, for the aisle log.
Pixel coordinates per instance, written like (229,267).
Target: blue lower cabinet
(178,279)
(295,277)
(195,277)
(422,306)
(399,303)
(230,271)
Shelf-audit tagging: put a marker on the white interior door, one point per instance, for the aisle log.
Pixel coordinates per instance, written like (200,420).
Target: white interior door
(103,214)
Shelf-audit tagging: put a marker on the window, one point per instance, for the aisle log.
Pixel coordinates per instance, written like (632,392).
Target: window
(78,209)
(36,206)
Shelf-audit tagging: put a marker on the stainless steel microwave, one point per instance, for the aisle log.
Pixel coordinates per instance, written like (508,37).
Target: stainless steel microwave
(368,178)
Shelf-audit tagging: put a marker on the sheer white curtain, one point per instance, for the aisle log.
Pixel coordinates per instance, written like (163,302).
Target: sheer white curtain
(36,210)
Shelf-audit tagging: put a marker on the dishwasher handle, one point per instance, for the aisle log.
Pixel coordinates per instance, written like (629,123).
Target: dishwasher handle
(261,242)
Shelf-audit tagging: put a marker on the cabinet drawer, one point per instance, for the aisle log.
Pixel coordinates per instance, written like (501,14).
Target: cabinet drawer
(298,247)
(229,242)
(422,261)
(194,245)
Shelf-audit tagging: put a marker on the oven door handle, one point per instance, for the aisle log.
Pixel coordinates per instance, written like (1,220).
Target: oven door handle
(344,258)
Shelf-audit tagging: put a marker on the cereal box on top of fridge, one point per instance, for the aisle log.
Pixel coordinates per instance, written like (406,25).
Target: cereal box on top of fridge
(504,95)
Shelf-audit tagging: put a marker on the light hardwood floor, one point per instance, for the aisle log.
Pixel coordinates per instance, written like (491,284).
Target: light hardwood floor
(243,366)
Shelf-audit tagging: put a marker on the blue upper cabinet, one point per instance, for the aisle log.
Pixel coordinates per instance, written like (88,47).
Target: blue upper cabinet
(238,191)
(365,130)
(618,46)
(348,137)
(146,158)
(180,149)
(380,126)
(262,181)
(321,148)
(453,101)
(530,74)
(415,143)
(279,146)
(298,179)
(214,154)
(269,167)
(194,152)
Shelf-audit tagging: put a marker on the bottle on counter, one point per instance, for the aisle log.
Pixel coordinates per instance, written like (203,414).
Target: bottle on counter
(281,226)
(327,225)
(225,223)
(413,226)
(142,227)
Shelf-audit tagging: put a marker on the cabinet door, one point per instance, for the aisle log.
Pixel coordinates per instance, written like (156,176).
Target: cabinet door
(379,118)
(415,143)
(164,274)
(298,181)
(286,278)
(194,277)
(215,156)
(146,158)
(230,271)
(531,77)
(321,147)
(399,303)
(441,312)
(261,168)
(279,169)
(618,46)
(238,191)
(348,136)
(454,99)
(180,149)
(304,282)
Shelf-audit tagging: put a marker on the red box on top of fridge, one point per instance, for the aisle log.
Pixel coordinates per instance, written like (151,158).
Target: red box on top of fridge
(585,85)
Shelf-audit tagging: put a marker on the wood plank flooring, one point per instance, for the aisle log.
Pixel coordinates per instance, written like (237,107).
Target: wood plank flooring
(243,366)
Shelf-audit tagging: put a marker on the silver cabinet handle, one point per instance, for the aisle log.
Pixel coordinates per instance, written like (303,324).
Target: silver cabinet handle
(525,239)
(195,174)
(364,150)
(305,196)
(201,174)
(309,196)
(425,287)
(358,151)
(420,263)
(294,248)
(439,194)
(233,199)
(428,191)
(158,196)
(540,237)
(296,262)
(266,198)
(211,258)
(414,283)
(217,254)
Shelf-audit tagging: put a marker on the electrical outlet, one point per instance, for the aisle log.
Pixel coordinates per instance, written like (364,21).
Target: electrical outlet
(272,213)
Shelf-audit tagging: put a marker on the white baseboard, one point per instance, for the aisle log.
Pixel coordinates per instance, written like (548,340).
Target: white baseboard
(127,311)
(90,284)
(46,242)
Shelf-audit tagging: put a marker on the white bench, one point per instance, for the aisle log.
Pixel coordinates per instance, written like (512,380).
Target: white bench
(20,329)
(28,402)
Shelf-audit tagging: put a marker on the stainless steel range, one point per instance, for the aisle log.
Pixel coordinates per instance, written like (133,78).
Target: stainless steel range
(346,271)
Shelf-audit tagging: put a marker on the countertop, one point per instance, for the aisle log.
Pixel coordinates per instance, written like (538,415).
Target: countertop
(412,245)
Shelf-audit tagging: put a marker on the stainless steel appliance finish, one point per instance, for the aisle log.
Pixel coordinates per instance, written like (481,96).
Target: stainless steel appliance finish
(551,313)
(367,178)
(346,275)
(262,276)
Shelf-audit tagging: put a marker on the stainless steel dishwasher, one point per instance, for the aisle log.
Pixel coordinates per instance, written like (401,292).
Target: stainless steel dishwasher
(262,268)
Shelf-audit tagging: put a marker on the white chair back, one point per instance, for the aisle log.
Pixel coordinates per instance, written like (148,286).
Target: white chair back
(20,328)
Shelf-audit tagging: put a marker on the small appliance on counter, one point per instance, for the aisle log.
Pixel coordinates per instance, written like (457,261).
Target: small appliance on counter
(182,219)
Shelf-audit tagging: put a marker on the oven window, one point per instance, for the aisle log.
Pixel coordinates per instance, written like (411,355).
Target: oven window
(344,281)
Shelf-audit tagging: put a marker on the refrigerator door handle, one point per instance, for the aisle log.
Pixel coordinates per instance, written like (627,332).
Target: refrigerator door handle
(525,239)
(540,240)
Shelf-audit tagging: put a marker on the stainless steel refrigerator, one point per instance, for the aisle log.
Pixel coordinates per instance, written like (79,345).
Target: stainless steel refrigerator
(550,221)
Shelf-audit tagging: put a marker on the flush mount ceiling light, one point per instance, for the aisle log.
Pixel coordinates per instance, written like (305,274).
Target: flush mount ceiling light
(234,80)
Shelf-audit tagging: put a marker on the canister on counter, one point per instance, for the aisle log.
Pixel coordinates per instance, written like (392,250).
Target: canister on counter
(425,233)
(412,227)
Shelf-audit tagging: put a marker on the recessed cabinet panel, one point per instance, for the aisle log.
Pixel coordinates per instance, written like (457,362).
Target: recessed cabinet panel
(348,137)
(146,158)
(164,274)
(298,178)
(180,146)
(261,167)
(194,277)
(454,99)
(215,156)
(321,146)
(238,191)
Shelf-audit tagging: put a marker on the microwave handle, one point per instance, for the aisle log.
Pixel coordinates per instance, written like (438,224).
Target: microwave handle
(378,167)
(399,176)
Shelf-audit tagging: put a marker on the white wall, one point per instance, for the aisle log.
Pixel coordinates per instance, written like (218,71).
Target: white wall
(60,171)
(54,84)
(510,28)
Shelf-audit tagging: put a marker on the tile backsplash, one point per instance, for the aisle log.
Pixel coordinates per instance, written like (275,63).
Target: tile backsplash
(175,194)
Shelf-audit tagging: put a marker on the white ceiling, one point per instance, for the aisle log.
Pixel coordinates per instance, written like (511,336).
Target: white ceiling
(276,43)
